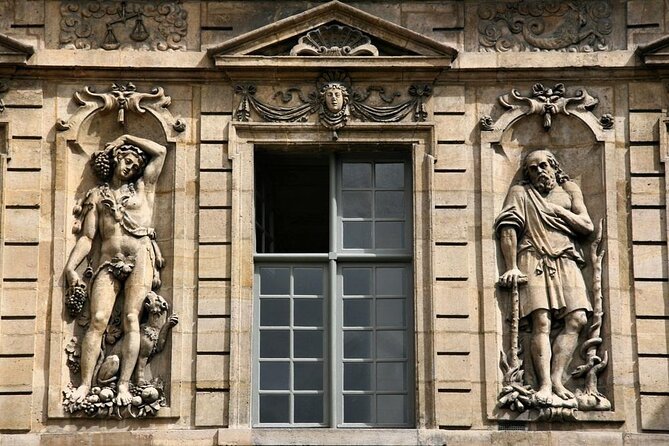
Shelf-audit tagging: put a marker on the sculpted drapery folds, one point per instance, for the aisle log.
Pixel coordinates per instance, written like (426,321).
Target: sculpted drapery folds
(539,228)
(116,218)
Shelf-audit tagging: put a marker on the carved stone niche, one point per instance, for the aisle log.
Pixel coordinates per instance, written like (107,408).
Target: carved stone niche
(585,149)
(96,120)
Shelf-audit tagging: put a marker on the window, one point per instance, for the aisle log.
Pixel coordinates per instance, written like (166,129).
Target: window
(333,335)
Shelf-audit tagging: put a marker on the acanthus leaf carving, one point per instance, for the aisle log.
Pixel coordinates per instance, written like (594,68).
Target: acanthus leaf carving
(545,25)
(549,102)
(334,40)
(335,101)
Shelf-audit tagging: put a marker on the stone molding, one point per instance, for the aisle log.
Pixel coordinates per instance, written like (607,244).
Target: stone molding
(418,51)
(14,52)
(243,137)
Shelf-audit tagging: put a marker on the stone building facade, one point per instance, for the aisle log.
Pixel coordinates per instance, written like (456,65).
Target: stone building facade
(235,222)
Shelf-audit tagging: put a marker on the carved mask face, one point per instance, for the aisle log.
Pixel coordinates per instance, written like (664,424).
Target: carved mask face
(128,166)
(334,99)
(539,171)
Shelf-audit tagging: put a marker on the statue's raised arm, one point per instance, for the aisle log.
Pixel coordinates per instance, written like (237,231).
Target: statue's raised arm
(152,154)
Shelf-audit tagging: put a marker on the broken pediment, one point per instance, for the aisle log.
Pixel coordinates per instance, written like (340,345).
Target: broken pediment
(656,52)
(14,52)
(333,31)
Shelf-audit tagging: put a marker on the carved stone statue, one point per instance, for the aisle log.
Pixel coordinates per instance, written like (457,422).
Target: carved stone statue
(117,216)
(539,227)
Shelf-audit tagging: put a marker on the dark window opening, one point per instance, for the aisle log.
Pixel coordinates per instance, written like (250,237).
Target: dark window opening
(291,206)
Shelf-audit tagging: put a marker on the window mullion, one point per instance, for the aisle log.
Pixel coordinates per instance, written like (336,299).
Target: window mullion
(333,394)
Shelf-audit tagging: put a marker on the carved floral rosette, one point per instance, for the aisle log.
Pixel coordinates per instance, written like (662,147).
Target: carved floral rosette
(545,25)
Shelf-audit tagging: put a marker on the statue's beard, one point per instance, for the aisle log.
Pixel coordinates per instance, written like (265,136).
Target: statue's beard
(545,183)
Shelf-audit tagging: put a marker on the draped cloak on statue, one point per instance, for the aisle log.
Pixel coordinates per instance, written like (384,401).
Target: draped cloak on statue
(546,254)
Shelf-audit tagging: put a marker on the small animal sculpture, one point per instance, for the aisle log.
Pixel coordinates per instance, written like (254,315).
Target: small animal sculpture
(153,334)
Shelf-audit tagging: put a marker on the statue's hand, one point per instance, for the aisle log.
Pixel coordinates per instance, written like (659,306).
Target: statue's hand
(72,278)
(173,320)
(511,277)
(118,142)
(555,209)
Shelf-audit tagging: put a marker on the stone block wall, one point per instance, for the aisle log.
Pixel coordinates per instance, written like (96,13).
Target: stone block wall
(33,239)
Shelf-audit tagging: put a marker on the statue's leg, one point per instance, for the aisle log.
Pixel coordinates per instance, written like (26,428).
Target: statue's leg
(563,350)
(101,302)
(540,348)
(137,286)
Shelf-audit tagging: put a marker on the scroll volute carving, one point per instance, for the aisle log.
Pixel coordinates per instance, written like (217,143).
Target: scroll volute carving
(118,312)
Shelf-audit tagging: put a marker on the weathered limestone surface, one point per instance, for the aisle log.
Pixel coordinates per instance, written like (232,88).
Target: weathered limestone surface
(463,166)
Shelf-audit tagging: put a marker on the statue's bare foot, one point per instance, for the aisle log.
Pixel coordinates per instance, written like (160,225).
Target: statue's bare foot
(79,395)
(562,392)
(124,396)
(544,395)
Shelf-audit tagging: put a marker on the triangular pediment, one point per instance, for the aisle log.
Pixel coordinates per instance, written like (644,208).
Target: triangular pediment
(13,52)
(655,52)
(365,35)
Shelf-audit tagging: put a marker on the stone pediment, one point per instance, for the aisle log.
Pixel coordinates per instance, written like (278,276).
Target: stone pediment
(333,33)
(655,52)
(14,52)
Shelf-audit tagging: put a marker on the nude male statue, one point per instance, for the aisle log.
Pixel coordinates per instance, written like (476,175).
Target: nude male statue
(120,214)
(537,229)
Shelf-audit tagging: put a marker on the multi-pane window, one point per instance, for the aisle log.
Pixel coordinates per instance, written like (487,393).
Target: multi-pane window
(333,335)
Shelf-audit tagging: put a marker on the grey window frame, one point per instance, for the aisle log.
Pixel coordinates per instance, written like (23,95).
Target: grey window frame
(332,262)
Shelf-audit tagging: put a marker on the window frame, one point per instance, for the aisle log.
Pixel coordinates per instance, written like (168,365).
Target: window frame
(244,138)
(338,258)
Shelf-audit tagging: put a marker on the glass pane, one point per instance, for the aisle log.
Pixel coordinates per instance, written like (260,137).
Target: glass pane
(390,376)
(308,281)
(308,312)
(274,376)
(389,235)
(274,408)
(389,175)
(356,175)
(357,312)
(274,281)
(389,204)
(274,343)
(358,376)
(357,281)
(357,234)
(390,281)
(308,409)
(308,344)
(358,344)
(274,311)
(308,375)
(358,408)
(390,344)
(390,313)
(391,409)
(356,204)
